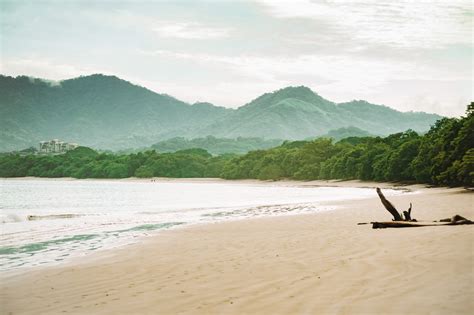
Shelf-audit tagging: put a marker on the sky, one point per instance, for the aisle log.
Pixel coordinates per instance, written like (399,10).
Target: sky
(409,55)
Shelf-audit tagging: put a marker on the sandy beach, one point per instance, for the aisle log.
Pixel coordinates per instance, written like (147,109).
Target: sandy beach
(320,263)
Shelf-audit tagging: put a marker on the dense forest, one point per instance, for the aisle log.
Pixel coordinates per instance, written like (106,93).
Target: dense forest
(442,156)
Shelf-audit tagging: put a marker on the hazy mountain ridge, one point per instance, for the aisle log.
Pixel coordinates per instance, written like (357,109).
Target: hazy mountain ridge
(346,132)
(97,110)
(300,113)
(215,145)
(110,113)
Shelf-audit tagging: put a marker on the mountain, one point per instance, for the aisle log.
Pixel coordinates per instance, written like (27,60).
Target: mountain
(109,113)
(97,110)
(346,132)
(297,113)
(215,145)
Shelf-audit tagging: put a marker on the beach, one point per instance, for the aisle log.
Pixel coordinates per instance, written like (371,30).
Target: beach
(319,263)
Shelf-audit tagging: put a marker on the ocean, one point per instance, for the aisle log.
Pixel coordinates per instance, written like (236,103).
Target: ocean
(49,221)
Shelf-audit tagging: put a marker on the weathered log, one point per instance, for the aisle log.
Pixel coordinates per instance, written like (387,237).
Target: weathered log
(388,205)
(402,224)
(395,224)
(455,218)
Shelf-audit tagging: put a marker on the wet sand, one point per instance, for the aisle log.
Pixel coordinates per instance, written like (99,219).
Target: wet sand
(314,264)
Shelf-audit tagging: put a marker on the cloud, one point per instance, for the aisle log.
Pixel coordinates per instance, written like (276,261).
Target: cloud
(404,85)
(189,31)
(322,70)
(177,28)
(404,23)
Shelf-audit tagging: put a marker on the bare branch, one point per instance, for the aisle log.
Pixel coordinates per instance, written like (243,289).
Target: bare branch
(407,214)
(388,205)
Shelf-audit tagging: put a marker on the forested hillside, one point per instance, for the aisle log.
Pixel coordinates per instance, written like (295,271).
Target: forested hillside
(215,145)
(341,133)
(442,156)
(104,112)
(295,113)
(107,113)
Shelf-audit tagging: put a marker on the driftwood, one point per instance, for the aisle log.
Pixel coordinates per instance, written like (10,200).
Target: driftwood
(400,224)
(407,214)
(51,216)
(388,205)
(405,219)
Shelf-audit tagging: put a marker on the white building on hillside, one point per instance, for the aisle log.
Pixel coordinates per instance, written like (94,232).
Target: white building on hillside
(56,146)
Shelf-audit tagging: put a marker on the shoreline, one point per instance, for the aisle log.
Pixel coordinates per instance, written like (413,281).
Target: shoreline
(317,206)
(229,258)
(353,183)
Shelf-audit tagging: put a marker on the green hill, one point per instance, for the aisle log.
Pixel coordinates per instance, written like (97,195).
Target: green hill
(216,145)
(98,111)
(346,132)
(106,112)
(298,113)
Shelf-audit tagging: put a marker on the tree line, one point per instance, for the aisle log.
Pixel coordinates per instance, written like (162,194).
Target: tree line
(442,156)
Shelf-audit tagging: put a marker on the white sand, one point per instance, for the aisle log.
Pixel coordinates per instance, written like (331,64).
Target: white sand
(313,264)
